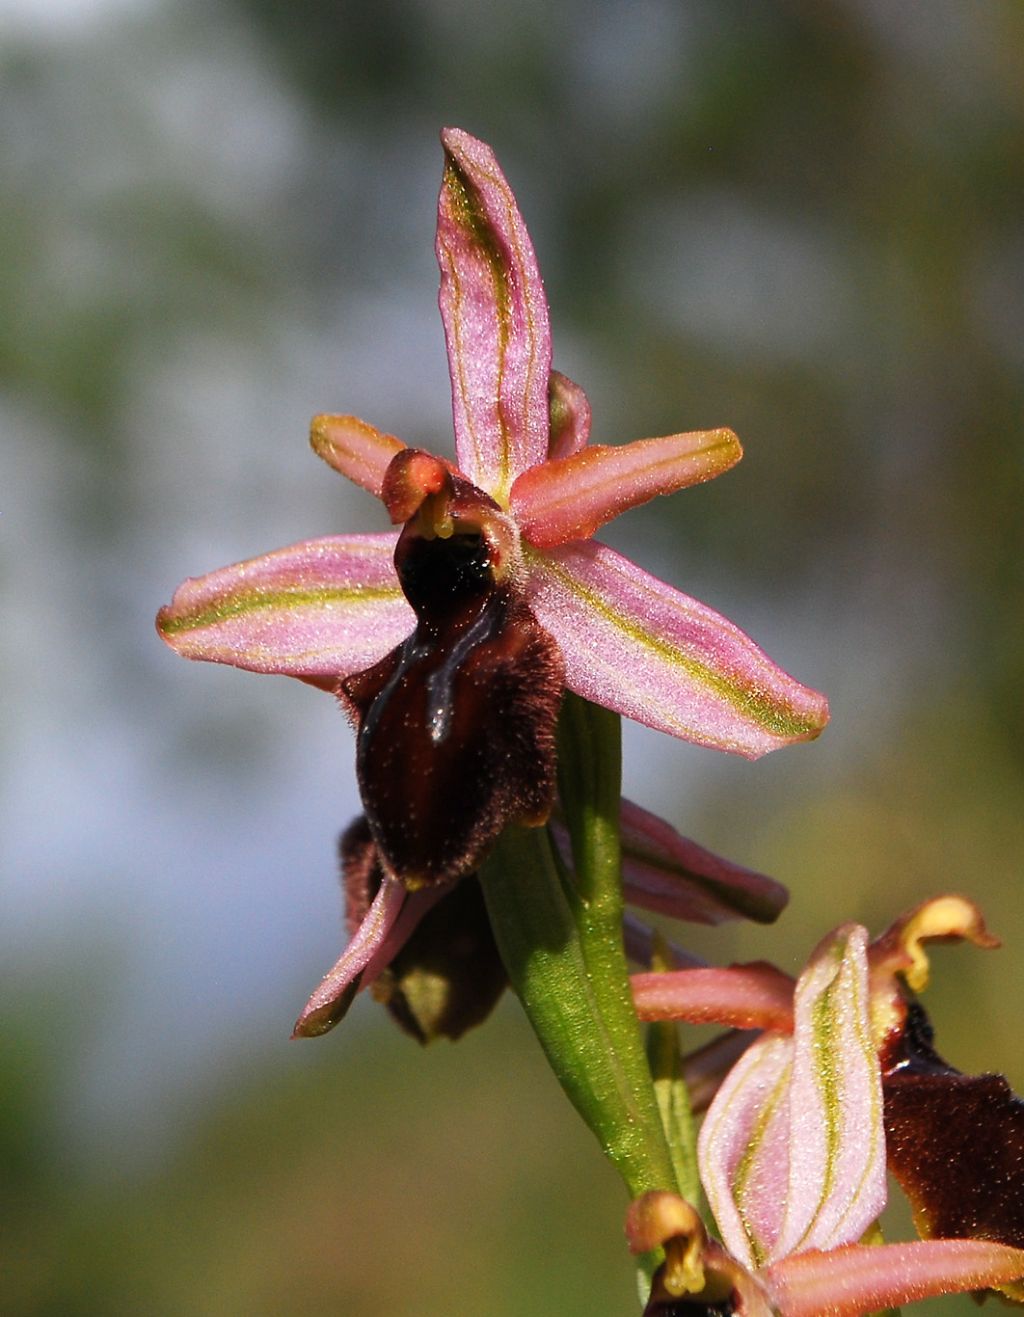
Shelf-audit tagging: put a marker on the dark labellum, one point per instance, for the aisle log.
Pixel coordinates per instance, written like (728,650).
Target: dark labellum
(456,725)
(955,1142)
(690,1308)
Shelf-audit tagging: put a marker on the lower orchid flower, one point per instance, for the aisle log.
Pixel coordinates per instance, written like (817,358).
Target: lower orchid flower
(430,954)
(794,1146)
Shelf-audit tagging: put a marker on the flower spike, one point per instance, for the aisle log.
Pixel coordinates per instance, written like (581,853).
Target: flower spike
(329,608)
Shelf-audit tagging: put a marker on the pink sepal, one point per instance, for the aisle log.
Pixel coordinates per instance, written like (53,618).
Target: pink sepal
(635,645)
(837,1183)
(755,996)
(792,1152)
(317,610)
(330,1000)
(665,872)
(495,319)
(858,1279)
(743,1149)
(570,498)
(357,450)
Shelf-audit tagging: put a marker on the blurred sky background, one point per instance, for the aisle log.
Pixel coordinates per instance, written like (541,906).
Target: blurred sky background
(802,220)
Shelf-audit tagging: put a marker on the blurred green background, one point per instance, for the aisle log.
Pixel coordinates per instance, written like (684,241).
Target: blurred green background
(802,220)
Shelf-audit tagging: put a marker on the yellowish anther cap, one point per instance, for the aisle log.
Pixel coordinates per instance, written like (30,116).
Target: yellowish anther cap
(664,1220)
(946,917)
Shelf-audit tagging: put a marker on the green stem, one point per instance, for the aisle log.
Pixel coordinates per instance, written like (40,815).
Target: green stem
(560,937)
(664,1055)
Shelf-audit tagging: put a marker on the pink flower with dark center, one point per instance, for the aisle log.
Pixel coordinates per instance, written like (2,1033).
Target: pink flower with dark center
(451,641)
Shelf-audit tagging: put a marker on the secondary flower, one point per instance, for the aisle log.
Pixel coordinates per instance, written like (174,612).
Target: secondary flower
(792,1155)
(430,956)
(793,1148)
(451,641)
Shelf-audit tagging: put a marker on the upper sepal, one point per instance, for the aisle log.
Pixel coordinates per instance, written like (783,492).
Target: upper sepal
(495,319)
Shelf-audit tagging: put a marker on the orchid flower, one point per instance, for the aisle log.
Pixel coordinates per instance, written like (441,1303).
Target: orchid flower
(438,970)
(793,1148)
(536,489)
(450,642)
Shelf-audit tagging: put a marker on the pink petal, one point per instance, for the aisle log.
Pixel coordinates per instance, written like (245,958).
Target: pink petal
(837,1183)
(569,413)
(357,450)
(570,498)
(495,319)
(331,999)
(792,1152)
(634,644)
(318,610)
(705,1069)
(665,872)
(756,996)
(743,1149)
(858,1279)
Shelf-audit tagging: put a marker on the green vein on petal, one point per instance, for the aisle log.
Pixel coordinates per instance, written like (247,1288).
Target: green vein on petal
(284,600)
(775,716)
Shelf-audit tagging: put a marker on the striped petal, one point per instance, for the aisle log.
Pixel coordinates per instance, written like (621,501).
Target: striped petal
(570,498)
(317,610)
(665,872)
(358,451)
(837,1145)
(634,644)
(495,320)
(743,1149)
(792,1152)
(856,1279)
